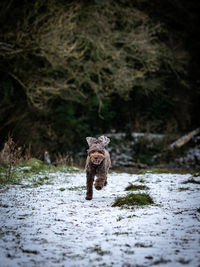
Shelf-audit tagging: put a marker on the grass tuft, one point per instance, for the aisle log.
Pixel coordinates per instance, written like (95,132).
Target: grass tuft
(35,165)
(99,251)
(191,181)
(132,187)
(182,189)
(62,189)
(133,200)
(77,188)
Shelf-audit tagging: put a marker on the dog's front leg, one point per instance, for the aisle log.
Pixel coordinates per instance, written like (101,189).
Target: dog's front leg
(90,180)
(100,182)
(101,178)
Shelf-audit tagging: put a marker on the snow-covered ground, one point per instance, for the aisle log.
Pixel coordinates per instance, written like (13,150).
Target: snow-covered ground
(53,224)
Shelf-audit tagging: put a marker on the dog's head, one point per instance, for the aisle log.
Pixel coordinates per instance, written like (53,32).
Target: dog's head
(96,150)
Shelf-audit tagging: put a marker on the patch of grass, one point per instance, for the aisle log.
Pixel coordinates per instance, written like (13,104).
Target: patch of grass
(191,181)
(129,252)
(4,205)
(141,180)
(161,261)
(132,187)
(133,200)
(142,245)
(30,169)
(30,251)
(182,189)
(37,181)
(35,165)
(67,169)
(120,218)
(45,178)
(183,261)
(121,233)
(77,188)
(99,251)
(13,179)
(62,189)
(149,257)
(131,216)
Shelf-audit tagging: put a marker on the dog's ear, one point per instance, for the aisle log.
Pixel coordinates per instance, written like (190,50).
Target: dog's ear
(90,140)
(104,140)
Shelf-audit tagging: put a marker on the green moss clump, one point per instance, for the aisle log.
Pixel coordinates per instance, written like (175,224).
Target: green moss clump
(133,200)
(132,187)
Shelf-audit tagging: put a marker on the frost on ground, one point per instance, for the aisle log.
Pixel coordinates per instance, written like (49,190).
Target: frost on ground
(51,223)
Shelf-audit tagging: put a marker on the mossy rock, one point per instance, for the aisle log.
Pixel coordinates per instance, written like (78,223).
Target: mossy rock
(133,200)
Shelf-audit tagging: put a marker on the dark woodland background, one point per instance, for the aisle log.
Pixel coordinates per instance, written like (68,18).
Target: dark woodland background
(71,69)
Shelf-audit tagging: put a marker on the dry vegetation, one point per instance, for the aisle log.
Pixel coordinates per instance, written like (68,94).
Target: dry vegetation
(10,156)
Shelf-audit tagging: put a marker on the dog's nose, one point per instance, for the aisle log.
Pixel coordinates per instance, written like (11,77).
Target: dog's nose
(96,157)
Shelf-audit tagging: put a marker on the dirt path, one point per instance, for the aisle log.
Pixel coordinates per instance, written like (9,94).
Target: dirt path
(53,225)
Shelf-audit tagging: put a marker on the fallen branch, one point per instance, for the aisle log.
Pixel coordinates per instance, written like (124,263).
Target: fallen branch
(184,139)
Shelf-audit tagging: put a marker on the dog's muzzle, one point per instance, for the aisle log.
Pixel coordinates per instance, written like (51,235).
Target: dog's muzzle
(96,158)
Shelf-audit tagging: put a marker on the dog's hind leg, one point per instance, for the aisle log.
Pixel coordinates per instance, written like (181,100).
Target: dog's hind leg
(90,180)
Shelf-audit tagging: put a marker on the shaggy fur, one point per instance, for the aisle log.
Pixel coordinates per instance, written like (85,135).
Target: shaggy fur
(97,164)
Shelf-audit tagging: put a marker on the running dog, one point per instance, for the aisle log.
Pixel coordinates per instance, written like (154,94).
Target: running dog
(97,164)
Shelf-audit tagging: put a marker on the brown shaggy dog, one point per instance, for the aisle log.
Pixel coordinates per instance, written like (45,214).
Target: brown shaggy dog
(97,164)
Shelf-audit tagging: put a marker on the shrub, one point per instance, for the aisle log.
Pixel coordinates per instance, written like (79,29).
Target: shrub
(10,156)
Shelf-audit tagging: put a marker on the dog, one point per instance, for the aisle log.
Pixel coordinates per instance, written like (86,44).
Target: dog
(97,164)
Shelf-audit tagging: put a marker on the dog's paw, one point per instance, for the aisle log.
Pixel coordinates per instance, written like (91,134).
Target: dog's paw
(88,198)
(98,187)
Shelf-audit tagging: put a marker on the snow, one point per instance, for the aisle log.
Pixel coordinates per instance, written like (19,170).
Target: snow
(53,224)
(136,136)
